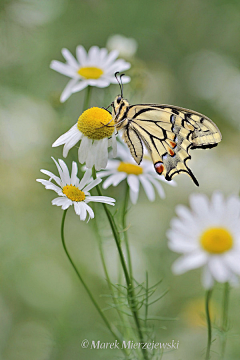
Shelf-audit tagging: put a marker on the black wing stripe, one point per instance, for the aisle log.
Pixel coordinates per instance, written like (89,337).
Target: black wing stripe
(132,142)
(141,112)
(152,136)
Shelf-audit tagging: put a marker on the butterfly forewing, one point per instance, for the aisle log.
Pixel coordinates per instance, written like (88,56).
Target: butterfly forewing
(205,135)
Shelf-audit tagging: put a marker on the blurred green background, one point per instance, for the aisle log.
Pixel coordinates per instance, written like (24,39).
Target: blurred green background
(188,55)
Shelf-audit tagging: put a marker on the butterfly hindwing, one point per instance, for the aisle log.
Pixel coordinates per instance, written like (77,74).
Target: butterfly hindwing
(168,146)
(134,143)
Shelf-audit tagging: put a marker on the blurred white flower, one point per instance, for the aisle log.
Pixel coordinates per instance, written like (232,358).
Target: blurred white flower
(31,13)
(126,47)
(126,168)
(208,236)
(95,68)
(95,138)
(207,71)
(19,112)
(72,191)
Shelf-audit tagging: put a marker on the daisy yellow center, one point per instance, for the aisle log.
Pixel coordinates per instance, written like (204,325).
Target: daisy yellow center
(96,123)
(216,240)
(90,72)
(130,168)
(73,193)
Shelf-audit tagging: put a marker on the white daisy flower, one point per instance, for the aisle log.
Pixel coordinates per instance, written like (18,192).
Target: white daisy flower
(72,191)
(126,46)
(208,236)
(126,168)
(95,138)
(95,68)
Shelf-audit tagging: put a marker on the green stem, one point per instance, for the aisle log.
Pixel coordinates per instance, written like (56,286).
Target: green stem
(106,272)
(83,282)
(225,318)
(208,296)
(124,226)
(124,321)
(130,290)
(146,300)
(87,98)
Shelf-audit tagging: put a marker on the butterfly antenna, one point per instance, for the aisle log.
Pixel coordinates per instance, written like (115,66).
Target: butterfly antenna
(119,82)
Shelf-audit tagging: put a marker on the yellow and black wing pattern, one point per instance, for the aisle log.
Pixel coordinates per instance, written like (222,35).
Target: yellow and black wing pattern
(168,132)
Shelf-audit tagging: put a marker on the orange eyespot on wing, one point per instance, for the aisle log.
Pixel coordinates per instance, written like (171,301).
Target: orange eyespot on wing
(159,167)
(173,144)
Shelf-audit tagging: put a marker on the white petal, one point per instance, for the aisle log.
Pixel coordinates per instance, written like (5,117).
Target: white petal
(77,207)
(200,204)
(232,259)
(70,59)
(80,86)
(65,174)
(133,196)
(101,83)
(189,262)
(103,54)
(158,186)
(148,188)
(92,153)
(81,55)
(93,55)
(125,79)
(50,186)
(90,212)
(124,153)
(217,201)
(104,173)
(102,154)
(218,209)
(188,229)
(153,173)
(133,182)
(232,210)
(92,184)
(83,214)
(113,164)
(101,199)
(59,169)
(86,179)
(111,58)
(52,176)
(184,213)
(66,136)
(175,235)
(112,179)
(74,178)
(63,69)
(119,65)
(84,149)
(63,202)
(218,269)
(207,278)
(97,153)
(68,90)
(71,142)
(179,244)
